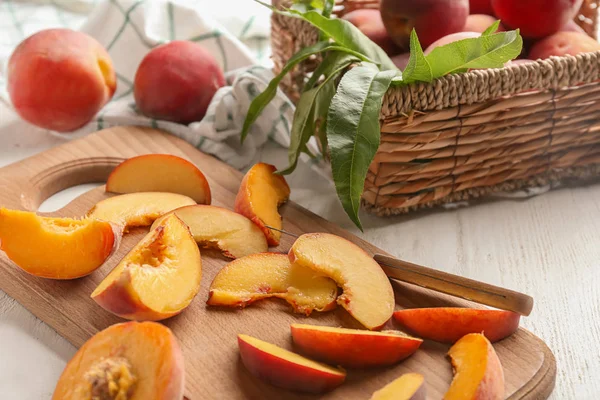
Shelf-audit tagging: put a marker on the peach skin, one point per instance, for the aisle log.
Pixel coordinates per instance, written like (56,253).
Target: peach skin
(408,387)
(431,19)
(368,294)
(56,248)
(260,276)
(138,209)
(285,369)
(159,277)
(353,348)
(59,79)
(176,82)
(235,235)
(169,173)
(127,361)
(478,374)
(259,196)
(563,43)
(448,324)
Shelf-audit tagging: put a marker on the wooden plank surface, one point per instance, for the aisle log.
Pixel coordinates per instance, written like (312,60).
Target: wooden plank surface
(208,335)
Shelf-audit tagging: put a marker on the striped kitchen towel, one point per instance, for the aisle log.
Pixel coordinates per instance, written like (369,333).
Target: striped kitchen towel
(236,32)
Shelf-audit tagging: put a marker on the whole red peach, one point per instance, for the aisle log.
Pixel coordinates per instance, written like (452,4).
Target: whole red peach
(451,38)
(432,19)
(59,79)
(480,22)
(536,18)
(481,7)
(563,43)
(176,82)
(369,22)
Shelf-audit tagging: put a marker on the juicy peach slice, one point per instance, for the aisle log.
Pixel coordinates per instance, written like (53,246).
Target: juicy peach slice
(285,369)
(235,235)
(478,374)
(157,279)
(368,295)
(128,361)
(448,324)
(353,348)
(259,276)
(56,248)
(260,195)
(138,209)
(159,173)
(408,387)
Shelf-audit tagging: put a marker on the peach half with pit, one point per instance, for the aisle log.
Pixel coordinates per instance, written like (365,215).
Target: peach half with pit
(260,276)
(129,361)
(169,173)
(56,248)
(159,277)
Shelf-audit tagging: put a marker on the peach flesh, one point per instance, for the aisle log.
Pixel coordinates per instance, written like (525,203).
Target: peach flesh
(259,197)
(157,279)
(56,248)
(259,276)
(169,173)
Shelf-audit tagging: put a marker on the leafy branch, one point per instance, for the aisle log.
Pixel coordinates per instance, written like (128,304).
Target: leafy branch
(349,112)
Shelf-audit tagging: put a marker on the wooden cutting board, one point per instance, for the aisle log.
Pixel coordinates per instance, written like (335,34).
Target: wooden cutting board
(208,335)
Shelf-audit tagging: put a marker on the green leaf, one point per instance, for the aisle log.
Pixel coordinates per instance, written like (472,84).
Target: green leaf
(306,5)
(418,69)
(311,106)
(353,131)
(492,28)
(490,51)
(328,65)
(261,101)
(346,35)
(328,8)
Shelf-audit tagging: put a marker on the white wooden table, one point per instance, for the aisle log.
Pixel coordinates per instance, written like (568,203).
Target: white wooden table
(547,246)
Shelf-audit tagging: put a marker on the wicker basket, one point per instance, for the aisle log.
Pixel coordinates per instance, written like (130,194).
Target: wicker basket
(465,136)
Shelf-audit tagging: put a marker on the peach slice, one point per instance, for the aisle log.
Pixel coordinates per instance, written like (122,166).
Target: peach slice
(138,209)
(56,248)
(260,195)
(368,294)
(263,275)
(128,361)
(157,279)
(478,374)
(170,174)
(408,387)
(235,235)
(448,324)
(353,348)
(285,369)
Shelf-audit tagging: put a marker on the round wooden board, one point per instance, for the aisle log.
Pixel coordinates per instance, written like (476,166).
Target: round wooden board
(207,334)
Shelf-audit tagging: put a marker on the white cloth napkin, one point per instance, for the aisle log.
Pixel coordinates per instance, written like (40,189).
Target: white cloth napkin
(236,32)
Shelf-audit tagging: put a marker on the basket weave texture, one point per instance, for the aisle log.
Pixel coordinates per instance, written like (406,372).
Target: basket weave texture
(465,136)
